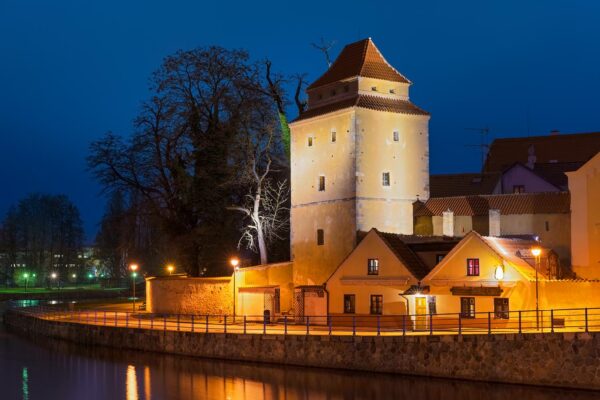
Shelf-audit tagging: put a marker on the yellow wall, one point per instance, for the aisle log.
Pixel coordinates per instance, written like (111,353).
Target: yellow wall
(584,185)
(352,278)
(269,275)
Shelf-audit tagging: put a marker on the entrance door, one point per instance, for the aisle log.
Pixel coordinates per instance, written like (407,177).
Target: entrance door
(421,313)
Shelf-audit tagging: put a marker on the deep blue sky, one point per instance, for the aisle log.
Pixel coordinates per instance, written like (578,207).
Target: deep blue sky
(71,70)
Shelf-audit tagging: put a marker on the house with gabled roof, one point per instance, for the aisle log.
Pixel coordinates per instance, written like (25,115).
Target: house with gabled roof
(371,280)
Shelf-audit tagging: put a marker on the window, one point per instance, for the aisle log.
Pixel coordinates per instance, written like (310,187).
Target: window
(472,266)
(374,88)
(310,141)
(518,188)
(333,136)
(376,304)
(320,237)
(349,303)
(373,266)
(333,92)
(385,179)
(547,226)
(396,136)
(467,307)
(392,91)
(432,305)
(501,308)
(439,258)
(321,183)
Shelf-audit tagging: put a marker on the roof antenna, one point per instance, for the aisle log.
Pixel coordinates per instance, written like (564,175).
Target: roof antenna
(324,48)
(483,146)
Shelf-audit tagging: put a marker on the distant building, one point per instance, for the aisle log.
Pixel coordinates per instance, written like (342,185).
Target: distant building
(584,185)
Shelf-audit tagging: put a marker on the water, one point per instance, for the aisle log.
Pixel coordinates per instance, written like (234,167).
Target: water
(51,369)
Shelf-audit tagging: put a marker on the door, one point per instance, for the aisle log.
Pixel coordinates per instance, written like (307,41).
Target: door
(421,313)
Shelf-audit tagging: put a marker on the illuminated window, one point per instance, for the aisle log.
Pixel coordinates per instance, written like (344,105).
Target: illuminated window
(321,183)
(396,136)
(518,188)
(333,136)
(373,266)
(320,237)
(501,310)
(349,303)
(467,307)
(376,304)
(472,266)
(385,179)
(310,141)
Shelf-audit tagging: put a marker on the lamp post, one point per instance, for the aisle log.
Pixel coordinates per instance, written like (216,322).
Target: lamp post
(536,251)
(234,263)
(170,268)
(26,276)
(53,276)
(133,268)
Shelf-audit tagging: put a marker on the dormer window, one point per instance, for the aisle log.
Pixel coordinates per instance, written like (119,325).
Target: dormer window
(333,92)
(374,88)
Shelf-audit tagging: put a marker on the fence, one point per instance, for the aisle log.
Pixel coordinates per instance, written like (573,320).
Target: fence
(530,321)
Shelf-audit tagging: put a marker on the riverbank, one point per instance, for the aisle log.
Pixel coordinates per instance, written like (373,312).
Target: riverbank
(554,359)
(61,294)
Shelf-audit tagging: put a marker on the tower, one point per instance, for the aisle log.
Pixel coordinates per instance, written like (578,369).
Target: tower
(359,159)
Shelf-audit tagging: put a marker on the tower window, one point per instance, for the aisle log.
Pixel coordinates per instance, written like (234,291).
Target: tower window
(396,136)
(321,183)
(374,88)
(547,226)
(333,136)
(310,141)
(373,266)
(385,179)
(320,237)
(392,91)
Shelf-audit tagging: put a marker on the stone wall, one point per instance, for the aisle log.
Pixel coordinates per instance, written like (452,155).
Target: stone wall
(559,359)
(182,295)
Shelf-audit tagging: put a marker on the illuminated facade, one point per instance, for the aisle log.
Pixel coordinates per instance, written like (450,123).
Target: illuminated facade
(359,159)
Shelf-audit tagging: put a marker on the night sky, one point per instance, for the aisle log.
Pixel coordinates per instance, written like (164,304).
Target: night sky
(72,70)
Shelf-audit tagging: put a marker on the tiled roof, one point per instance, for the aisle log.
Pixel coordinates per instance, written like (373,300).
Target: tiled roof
(447,185)
(410,260)
(365,101)
(560,149)
(361,58)
(522,203)
(555,172)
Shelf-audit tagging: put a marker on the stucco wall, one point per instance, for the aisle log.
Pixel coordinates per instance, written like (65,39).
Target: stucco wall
(181,295)
(559,359)
(279,275)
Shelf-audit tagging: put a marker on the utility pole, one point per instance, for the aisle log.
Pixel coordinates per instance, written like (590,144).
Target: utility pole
(483,146)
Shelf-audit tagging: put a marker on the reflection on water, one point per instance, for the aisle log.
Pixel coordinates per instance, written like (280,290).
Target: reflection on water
(50,369)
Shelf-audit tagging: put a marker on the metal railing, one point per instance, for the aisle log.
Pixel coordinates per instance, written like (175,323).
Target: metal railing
(544,321)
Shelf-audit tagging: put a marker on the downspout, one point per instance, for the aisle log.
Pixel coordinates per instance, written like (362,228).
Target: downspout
(407,304)
(327,294)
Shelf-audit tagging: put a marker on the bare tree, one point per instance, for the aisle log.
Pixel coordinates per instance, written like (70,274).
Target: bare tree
(324,48)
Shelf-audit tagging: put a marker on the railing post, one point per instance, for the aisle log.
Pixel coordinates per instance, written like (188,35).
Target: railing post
(552,321)
(116,320)
(430,323)
(354,325)
(489,323)
(152,322)
(206,323)
(329,323)
(165,324)
(126,319)
(244,324)
(178,322)
(307,325)
(542,321)
(378,325)
(104,318)
(285,324)
(586,321)
(264,325)
(139,322)
(403,324)
(192,322)
(459,324)
(225,324)
(520,327)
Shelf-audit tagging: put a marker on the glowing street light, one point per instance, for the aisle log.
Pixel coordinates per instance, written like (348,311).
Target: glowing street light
(170,268)
(26,276)
(234,261)
(133,268)
(74,276)
(536,251)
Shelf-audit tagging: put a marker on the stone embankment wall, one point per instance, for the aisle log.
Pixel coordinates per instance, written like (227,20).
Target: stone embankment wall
(558,359)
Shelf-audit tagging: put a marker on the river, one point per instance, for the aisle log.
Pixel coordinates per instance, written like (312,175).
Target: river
(45,368)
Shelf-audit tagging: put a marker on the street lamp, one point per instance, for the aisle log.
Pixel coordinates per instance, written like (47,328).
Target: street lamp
(170,268)
(53,276)
(234,261)
(26,276)
(536,251)
(133,268)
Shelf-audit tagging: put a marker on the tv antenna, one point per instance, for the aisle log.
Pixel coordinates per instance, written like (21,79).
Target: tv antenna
(483,146)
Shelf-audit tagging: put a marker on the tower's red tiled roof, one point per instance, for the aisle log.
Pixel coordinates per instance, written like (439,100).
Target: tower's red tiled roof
(365,101)
(469,184)
(521,203)
(361,58)
(566,150)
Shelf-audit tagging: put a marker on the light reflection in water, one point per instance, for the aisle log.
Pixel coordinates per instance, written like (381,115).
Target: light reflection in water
(25,384)
(131,388)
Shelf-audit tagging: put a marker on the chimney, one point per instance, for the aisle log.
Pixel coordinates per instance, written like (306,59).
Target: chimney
(494,224)
(531,158)
(448,223)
